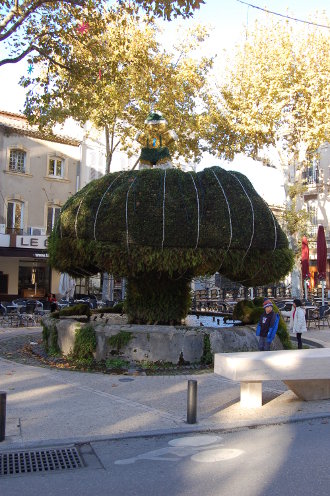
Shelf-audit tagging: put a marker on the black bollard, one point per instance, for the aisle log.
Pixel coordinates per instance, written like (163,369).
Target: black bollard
(192,402)
(218,321)
(213,318)
(2,415)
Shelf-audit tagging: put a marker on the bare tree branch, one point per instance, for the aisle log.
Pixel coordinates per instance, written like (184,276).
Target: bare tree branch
(138,160)
(30,49)
(24,15)
(18,58)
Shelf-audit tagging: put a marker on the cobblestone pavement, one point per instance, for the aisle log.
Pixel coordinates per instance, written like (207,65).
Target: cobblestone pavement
(13,345)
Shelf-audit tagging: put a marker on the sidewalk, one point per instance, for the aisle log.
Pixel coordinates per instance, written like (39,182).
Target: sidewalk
(53,406)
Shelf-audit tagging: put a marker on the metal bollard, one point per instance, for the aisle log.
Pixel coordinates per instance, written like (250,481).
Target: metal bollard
(2,415)
(218,321)
(192,402)
(213,318)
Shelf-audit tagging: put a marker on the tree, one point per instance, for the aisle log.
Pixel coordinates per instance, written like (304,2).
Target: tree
(30,27)
(276,100)
(114,75)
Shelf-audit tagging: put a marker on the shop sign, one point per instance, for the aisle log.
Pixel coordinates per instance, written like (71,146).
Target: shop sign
(33,242)
(40,255)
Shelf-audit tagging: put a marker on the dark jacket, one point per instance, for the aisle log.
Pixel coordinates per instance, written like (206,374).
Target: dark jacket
(267,320)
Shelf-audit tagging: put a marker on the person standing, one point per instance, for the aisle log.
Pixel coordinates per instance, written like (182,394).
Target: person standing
(266,323)
(298,321)
(53,302)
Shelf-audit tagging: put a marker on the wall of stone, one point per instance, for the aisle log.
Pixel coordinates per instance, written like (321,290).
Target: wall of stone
(159,343)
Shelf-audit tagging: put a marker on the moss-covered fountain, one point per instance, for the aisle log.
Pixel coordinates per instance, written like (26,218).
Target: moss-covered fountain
(159,227)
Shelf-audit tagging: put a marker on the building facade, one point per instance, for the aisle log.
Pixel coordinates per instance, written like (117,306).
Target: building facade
(316,201)
(38,174)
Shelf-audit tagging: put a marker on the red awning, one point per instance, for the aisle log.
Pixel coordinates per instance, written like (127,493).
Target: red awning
(304,258)
(321,253)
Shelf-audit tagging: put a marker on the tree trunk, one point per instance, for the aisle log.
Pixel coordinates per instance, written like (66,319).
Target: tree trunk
(158,298)
(287,167)
(105,287)
(108,157)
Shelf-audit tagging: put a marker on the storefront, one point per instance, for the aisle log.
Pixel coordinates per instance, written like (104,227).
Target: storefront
(24,269)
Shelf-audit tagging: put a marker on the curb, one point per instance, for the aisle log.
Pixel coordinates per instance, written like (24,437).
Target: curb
(312,342)
(21,445)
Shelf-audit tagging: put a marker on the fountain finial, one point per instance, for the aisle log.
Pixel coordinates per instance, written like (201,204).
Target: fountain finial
(154,140)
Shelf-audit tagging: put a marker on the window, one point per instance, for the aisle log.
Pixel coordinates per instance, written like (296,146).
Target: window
(17,159)
(56,167)
(52,216)
(15,217)
(312,224)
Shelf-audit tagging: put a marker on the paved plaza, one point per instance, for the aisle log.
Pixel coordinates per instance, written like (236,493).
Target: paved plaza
(53,406)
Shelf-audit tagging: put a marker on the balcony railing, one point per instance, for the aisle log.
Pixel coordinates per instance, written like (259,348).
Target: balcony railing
(311,177)
(14,230)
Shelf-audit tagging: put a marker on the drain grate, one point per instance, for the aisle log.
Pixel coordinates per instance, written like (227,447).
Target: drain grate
(45,460)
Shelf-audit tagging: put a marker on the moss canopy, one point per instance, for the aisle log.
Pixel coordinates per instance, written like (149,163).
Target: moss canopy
(171,221)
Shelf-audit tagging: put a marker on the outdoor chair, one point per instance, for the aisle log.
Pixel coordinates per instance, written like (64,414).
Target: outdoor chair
(324,315)
(312,317)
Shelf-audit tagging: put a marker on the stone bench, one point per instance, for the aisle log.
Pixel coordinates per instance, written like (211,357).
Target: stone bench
(305,372)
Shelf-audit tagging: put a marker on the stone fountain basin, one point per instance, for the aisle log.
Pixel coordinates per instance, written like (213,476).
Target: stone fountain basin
(155,343)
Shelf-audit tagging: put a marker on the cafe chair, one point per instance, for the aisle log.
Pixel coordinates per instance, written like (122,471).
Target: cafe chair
(324,316)
(312,317)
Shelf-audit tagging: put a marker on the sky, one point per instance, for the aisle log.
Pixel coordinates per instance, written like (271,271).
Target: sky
(229,20)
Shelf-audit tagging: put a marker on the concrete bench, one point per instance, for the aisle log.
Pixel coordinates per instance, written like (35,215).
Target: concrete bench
(305,372)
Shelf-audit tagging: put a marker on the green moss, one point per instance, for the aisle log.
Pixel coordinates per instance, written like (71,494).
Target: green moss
(258,301)
(243,311)
(45,334)
(118,308)
(157,298)
(50,339)
(54,349)
(85,343)
(120,340)
(207,356)
(255,314)
(116,363)
(81,309)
